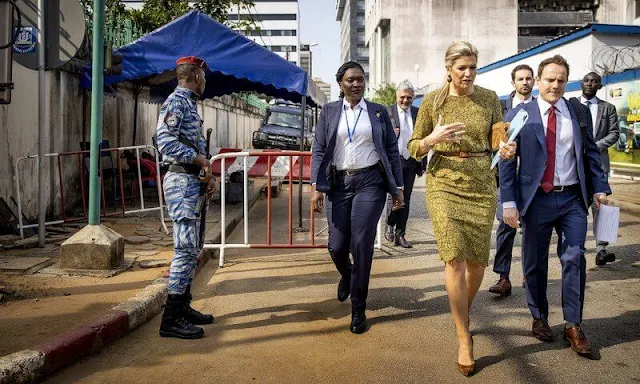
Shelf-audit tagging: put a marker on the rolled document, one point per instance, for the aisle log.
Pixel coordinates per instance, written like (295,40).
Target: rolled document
(516,125)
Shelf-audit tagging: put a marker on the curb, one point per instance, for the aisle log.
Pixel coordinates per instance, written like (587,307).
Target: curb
(60,351)
(633,209)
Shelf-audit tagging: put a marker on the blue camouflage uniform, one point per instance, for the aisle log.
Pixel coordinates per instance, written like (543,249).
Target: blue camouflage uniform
(178,123)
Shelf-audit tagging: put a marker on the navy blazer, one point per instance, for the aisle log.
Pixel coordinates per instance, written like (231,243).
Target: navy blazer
(384,140)
(520,183)
(395,119)
(507,104)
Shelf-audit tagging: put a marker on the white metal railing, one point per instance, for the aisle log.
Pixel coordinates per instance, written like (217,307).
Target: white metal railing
(137,148)
(223,245)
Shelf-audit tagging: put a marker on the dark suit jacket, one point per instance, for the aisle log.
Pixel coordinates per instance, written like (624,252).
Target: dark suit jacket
(507,104)
(384,140)
(520,183)
(607,130)
(395,122)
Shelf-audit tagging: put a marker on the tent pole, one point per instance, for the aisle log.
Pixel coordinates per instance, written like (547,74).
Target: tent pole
(136,90)
(301,161)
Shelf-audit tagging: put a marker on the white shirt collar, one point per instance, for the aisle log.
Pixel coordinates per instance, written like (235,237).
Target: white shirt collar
(400,110)
(362,104)
(527,100)
(544,106)
(593,100)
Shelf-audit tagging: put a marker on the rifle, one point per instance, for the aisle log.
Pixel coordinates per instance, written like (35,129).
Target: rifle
(205,206)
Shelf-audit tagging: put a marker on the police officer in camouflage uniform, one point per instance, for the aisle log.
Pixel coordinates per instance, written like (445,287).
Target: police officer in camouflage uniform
(187,186)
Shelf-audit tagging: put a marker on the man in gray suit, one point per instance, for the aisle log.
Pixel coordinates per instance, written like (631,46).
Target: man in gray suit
(605,132)
(403,118)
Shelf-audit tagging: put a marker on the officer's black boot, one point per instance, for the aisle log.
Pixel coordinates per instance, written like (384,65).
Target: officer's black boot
(174,323)
(191,315)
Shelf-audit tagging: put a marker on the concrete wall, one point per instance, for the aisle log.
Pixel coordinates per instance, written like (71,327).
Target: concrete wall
(577,53)
(421,31)
(69,119)
(617,12)
(593,52)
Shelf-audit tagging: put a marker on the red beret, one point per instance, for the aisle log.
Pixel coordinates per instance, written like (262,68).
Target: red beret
(192,60)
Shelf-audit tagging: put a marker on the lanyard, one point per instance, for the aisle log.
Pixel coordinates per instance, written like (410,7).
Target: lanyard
(351,133)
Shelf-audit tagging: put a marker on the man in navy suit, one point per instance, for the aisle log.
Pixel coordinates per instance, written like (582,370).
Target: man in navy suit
(522,79)
(550,186)
(355,162)
(403,117)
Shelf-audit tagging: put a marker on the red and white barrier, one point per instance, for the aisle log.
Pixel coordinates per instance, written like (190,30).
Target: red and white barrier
(259,166)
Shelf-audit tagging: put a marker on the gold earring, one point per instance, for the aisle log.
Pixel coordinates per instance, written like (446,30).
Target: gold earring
(448,78)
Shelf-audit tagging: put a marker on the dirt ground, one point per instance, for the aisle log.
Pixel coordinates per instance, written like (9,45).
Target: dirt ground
(44,304)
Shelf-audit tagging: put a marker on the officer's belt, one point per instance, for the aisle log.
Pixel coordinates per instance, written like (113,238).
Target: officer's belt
(191,169)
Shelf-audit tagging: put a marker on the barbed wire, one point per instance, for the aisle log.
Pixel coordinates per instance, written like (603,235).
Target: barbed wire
(607,59)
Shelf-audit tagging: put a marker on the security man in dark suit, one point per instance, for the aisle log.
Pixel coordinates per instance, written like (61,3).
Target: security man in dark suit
(606,132)
(403,116)
(522,79)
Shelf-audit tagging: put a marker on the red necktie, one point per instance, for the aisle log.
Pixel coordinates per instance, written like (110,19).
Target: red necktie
(550,169)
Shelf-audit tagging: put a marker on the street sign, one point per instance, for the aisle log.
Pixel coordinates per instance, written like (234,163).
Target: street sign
(65,28)
(26,40)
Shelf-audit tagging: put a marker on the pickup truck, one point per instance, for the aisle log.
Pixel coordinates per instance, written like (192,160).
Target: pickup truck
(281,129)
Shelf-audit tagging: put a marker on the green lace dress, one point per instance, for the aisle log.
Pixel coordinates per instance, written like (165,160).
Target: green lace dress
(461,192)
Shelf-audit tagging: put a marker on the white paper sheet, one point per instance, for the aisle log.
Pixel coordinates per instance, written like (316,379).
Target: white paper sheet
(515,126)
(605,225)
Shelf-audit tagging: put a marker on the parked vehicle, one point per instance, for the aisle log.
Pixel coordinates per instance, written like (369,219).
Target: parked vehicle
(281,128)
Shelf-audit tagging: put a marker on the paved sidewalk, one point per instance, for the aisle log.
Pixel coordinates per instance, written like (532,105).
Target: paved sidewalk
(64,317)
(626,194)
(278,321)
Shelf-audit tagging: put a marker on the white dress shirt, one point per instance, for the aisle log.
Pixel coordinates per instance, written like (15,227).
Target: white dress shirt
(566,167)
(592,103)
(359,151)
(566,171)
(406,131)
(516,101)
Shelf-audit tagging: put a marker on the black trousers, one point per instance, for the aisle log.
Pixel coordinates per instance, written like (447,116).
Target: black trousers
(398,219)
(354,206)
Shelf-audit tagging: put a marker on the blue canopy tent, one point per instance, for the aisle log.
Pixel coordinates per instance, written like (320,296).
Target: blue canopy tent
(235,63)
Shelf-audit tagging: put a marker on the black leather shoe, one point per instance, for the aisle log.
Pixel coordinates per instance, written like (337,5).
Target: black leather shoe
(191,315)
(389,233)
(173,322)
(344,287)
(401,241)
(358,322)
(196,317)
(603,257)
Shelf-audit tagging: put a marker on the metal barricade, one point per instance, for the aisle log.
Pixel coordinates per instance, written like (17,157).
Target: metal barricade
(223,245)
(81,156)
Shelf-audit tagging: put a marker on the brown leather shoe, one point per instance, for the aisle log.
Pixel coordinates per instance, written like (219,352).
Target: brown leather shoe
(541,330)
(502,288)
(579,343)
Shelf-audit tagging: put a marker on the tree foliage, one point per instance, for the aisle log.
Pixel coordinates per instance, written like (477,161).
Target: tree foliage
(156,13)
(385,94)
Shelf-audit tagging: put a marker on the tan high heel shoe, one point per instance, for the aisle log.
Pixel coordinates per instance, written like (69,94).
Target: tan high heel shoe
(468,370)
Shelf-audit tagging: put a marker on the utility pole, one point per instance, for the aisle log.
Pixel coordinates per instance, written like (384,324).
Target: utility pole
(41,123)
(97,89)
(94,246)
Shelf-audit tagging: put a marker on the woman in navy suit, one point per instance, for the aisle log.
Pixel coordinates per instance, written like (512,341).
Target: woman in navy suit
(355,162)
